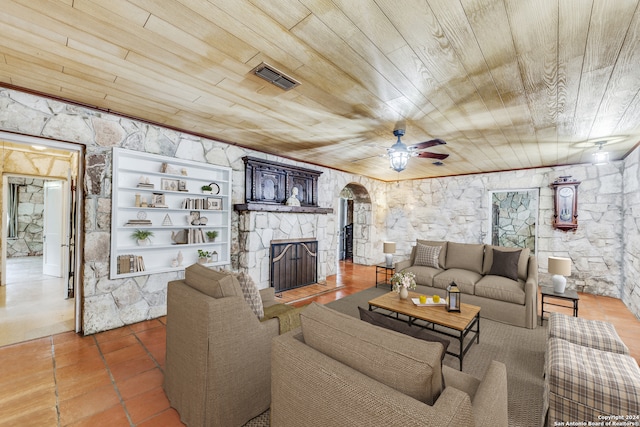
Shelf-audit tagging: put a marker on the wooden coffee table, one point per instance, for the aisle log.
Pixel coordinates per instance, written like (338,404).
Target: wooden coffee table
(461,324)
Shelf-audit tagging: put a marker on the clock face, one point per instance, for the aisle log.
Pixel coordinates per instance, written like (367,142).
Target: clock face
(142,215)
(566,192)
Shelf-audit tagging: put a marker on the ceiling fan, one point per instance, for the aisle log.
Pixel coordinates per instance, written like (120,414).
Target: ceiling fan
(399,153)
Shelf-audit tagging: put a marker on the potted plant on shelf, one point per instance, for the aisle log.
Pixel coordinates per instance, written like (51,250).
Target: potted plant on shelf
(207,189)
(212,234)
(203,256)
(142,236)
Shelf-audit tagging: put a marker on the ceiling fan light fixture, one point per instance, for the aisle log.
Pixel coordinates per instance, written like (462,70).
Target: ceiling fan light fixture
(600,157)
(398,153)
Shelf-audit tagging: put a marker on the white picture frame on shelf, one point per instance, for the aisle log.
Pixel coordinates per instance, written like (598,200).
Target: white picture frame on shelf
(168,184)
(214,203)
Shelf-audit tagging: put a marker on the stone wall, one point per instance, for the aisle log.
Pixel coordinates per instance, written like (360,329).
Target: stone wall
(107,303)
(459,209)
(448,208)
(28,241)
(631,243)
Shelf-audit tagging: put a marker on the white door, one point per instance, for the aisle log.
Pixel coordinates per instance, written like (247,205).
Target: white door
(54,228)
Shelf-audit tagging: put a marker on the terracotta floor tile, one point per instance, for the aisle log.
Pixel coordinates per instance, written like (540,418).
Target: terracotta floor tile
(150,337)
(129,368)
(31,402)
(13,369)
(147,324)
(112,334)
(167,418)
(141,383)
(24,387)
(77,356)
(73,339)
(118,344)
(147,405)
(77,386)
(123,354)
(85,382)
(88,404)
(83,368)
(31,417)
(112,417)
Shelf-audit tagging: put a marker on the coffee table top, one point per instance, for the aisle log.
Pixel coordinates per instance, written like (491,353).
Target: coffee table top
(434,314)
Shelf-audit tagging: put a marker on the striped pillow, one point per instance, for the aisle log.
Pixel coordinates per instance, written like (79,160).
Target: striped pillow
(427,255)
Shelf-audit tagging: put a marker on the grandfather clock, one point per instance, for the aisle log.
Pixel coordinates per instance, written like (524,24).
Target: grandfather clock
(565,216)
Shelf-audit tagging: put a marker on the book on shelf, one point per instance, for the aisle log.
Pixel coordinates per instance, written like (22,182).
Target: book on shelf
(130,263)
(139,222)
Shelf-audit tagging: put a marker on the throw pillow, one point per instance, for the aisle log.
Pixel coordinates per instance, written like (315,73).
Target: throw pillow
(505,264)
(251,294)
(387,322)
(216,284)
(427,255)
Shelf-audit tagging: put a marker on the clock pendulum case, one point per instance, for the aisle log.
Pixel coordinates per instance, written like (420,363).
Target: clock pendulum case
(565,216)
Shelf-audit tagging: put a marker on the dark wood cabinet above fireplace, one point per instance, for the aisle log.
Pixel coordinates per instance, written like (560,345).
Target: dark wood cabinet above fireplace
(269,184)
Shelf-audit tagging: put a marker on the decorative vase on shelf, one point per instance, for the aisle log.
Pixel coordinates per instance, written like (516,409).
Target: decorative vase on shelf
(404,293)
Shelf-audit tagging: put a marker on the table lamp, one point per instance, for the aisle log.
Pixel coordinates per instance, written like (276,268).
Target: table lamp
(559,267)
(389,248)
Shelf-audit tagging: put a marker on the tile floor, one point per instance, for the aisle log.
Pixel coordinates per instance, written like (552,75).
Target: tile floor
(33,305)
(114,378)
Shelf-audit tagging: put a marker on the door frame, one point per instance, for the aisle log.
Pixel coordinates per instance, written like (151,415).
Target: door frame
(78,213)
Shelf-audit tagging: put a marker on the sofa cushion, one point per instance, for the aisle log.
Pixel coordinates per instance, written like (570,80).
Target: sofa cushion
(443,251)
(465,279)
(410,366)
(427,255)
(424,275)
(397,325)
(501,288)
(465,256)
(505,264)
(216,284)
(251,293)
(523,261)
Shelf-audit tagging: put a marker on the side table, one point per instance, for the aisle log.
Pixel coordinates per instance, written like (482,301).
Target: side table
(568,295)
(383,274)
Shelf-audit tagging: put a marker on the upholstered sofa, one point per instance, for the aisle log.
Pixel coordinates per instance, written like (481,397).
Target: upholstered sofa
(502,281)
(218,364)
(590,375)
(338,370)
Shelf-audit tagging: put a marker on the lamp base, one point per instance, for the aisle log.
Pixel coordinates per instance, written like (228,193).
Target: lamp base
(389,259)
(559,283)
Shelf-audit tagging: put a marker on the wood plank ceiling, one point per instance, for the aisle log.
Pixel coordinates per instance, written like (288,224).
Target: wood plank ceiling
(508,84)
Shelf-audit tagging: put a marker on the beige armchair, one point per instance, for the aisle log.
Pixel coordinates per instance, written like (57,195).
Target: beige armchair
(218,370)
(339,370)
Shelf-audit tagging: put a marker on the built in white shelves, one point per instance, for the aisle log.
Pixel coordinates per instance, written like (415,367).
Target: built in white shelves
(177,211)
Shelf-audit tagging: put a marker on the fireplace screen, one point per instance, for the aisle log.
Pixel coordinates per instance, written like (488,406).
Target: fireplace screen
(293,264)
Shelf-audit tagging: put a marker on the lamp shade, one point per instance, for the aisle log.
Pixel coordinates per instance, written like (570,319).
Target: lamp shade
(389,248)
(560,266)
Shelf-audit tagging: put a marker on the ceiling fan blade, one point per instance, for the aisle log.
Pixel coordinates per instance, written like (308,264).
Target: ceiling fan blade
(426,154)
(426,144)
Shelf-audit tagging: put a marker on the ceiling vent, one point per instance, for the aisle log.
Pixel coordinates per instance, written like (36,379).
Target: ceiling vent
(275,77)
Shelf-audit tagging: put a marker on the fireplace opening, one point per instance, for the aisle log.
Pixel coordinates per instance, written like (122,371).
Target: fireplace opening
(294,263)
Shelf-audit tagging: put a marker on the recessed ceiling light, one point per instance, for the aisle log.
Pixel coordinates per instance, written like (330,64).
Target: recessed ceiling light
(39,147)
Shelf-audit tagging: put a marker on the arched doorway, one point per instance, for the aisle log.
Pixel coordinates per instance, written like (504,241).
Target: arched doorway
(354,223)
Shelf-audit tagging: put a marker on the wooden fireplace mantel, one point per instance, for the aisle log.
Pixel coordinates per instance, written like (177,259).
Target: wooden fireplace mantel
(271,207)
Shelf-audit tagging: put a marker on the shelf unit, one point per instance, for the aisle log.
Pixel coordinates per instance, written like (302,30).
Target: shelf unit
(173,181)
